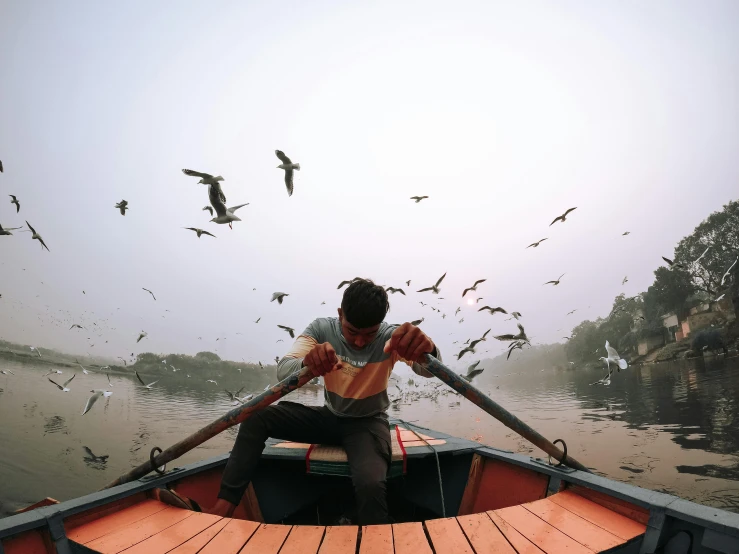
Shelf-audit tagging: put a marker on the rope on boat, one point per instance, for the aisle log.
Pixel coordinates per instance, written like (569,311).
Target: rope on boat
(438,468)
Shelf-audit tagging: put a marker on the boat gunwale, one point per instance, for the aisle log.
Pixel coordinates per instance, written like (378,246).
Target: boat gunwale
(656,502)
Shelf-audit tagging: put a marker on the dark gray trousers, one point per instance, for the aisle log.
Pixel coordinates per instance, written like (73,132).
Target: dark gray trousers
(366,441)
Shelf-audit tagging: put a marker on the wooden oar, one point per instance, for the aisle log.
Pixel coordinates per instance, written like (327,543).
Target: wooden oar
(476,396)
(235,416)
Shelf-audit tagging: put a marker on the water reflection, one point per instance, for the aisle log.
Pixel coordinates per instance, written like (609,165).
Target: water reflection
(670,427)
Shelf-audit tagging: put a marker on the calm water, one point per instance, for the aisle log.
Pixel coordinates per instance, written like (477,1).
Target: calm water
(667,427)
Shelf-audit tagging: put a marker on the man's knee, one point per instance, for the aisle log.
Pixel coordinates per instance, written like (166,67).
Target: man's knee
(258,424)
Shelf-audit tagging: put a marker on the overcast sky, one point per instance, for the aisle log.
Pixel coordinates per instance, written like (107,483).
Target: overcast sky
(504,113)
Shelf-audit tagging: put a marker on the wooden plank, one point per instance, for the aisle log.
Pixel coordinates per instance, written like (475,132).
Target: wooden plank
(416,444)
(76,520)
(303,539)
(30,542)
(231,538)
(99,527)
(543,535)
(586,533)
(267,540)
(174,536)
(409,538)
(250,504)
(340,540)
(632,511)
(376,539)
(618,524)
(447,537)
(503,484)
(472,486)
(194,545)
(517,540)
(125,537)
(483,535)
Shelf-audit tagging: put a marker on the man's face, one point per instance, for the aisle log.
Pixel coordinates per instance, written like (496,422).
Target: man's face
(357,338)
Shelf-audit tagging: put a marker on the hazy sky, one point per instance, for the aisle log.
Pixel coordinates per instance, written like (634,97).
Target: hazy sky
(504,113)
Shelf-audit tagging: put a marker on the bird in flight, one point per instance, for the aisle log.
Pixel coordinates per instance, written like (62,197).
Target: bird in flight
(288,166)
(671,263)
(535,244)
(1,166)
(517,315)
(728,272)
(257,321)
(277,359)
(142,335)
(76,325)
(627,233)
(556,282)
(701,256)
(63,387)
(572,312)
(225,215)
(393,290)
(562,217)
(7,230)
(473,287)
(208,179)
(614,357)
(473,371)
(15,201)
(36,236)
(434,288)
(289,330)
(122,206)
(408,283)
(97,393)
(493,311)
(279,296)
(147,290)
(142,381)
(521,336)
(418,198)
(200,232)
(625,280)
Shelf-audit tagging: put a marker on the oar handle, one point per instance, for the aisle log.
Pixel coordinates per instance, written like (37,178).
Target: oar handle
(233,417)
(476,396)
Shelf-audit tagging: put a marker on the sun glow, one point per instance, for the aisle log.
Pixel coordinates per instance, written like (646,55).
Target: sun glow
(470,301)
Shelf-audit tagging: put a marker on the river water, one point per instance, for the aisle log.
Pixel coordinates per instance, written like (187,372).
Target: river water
(671,427)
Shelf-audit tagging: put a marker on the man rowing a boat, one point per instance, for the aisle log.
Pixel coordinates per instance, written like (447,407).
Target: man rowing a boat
(355,353)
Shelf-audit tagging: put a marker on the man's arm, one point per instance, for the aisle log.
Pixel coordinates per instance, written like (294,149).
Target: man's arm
(292,362)
(418,369)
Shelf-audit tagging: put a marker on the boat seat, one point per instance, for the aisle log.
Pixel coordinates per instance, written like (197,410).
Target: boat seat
(324,459)
(562,523)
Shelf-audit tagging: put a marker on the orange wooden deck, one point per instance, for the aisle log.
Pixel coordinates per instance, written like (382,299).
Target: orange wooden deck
(563,523)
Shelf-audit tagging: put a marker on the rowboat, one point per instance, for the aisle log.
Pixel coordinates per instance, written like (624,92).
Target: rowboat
(445,495)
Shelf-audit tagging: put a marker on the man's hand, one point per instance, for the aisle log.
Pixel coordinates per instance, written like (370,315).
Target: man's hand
(321,359)
(409,342)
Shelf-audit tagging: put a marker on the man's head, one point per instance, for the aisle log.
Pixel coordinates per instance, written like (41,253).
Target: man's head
(363,309)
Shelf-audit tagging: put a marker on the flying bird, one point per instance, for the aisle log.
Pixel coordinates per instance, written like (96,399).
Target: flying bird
(464,351)
(208,179)
(200,232)
(289,330)
(63,387)
(728,271)
(408,283)
(521,336)
(142,381)
(76,325)
(625,280)
(84,370)
(434,288)
(627,233)
(562,217)
(211,381)
(6,372)
(152,294)
(279,296)
(122,206)
(225,215)
(418,199)
(7,230)
(473,371)
(672,263)
(142,334)
(535,244)
(257,321)
(701,256)
(493,311)
(15,201)
(473,287)
(517,315)
(555,283)
(277,359)
(614,357)
(36,236)
(288,166)
(96,393)
(393,290)
(572,312)
(1,166)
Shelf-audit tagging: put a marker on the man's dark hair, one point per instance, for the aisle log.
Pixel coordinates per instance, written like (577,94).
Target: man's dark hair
(365,304)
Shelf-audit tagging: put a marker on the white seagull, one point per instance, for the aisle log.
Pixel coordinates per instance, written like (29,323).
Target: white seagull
(96,393)
(288,166)
(36,236)
(473,371)
(434,288)
(418,199)
(289,330)
(225,215)
(613,357)
(148,387)
(85,371)
(211,381)
(279,296)
(63,387)
(15,201)
(7,230)
(200,232)
(473,287)
(728,272)
(142,334)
